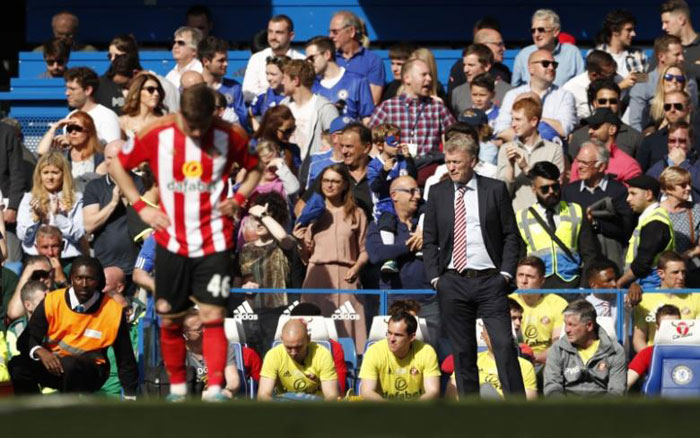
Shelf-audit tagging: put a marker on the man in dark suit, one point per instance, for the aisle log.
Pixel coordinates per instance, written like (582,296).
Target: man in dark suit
(470,247)
(613,222)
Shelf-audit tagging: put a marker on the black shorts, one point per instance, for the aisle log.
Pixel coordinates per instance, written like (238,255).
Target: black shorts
(183,281)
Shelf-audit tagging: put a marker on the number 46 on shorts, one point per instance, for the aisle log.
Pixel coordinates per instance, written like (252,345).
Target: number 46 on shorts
(219,286)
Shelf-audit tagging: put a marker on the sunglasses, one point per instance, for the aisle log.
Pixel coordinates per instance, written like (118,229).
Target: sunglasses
(611,101)
(534,30)
(50,61)
(181,43)
(151,89)
(546,63)
(288,131)
(74,128)
(546,188)
(678,78)
(678,106)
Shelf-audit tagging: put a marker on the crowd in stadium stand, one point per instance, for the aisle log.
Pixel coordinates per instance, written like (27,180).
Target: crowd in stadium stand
(319,172)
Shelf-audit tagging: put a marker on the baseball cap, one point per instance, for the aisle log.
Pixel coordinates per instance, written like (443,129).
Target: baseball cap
(645,182)
(600,116)
(339,123)
(473,117)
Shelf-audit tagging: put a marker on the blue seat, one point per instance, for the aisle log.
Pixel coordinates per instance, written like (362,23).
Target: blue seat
(348,345)
(246,383)
(675,364)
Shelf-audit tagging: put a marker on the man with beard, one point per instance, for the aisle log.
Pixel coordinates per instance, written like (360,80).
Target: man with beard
(556,231)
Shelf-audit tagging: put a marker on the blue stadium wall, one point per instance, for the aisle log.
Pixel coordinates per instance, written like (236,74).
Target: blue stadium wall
(436,21)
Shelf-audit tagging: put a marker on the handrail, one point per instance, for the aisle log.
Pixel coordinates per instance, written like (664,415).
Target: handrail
(384,296)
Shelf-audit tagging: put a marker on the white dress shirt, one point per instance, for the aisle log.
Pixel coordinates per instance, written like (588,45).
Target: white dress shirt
(175,74)
(477,256)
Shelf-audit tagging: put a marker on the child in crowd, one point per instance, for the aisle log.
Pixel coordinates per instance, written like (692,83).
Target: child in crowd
(483,90)
(477,119)
(394,160)
(273,96)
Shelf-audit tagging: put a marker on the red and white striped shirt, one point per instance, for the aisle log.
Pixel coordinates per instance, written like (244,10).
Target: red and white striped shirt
(192,178)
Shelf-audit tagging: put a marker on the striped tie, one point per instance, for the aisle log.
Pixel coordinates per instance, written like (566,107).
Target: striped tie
(459,251)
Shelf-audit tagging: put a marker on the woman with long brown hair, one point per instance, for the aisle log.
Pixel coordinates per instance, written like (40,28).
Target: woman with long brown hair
(143,105)
(278,125)
(334,249)
(52,201)
(80,144)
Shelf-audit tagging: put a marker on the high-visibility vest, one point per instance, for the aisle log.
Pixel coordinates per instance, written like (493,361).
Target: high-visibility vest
(81,334)
(541,245)
(652,280)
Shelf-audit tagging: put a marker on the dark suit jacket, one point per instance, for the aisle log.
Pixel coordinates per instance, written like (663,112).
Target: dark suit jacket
(498,227)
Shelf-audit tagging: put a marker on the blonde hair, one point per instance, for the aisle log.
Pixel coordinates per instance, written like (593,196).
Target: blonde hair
(672,176)
(264,146)
(56,159)
(656,109)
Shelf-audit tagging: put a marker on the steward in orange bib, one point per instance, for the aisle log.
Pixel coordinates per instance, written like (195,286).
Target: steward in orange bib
(65,344)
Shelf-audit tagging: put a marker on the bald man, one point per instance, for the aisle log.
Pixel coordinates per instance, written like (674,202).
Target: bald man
(298,366)
(104,216)
(64,25)
(190,78)
(115,284)
(558,105)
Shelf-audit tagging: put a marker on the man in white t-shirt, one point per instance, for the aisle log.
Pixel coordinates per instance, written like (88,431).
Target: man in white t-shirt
(280,33)
(313,114)
(185,53)
(81,85)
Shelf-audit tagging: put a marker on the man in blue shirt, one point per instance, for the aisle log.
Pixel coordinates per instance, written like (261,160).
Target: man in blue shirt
(347,32)
(349,91)
(545,33)
(213,52)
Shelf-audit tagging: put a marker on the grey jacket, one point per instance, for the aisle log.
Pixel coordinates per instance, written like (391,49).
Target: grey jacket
(605,373)
(324,113)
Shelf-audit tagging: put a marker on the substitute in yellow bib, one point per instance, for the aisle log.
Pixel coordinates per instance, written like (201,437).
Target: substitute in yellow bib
(672,271)
(400,367)
(542,313)
(65,344)
(298,366)
(550,215)
(489,383)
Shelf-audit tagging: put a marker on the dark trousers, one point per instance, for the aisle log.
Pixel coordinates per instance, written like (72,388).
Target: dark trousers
(79,375)
(462,301)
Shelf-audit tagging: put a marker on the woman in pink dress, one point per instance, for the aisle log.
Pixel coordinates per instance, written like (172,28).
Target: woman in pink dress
(334,249)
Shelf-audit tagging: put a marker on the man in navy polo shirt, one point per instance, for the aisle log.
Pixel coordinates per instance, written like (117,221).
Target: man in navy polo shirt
(347,32)
(350,92)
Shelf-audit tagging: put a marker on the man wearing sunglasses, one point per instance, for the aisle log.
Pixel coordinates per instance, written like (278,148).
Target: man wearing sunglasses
(680,152)
(558,105)
(605,93)
(37,268)
(677,107)
(668,50)
(577,244)
(184,52)
(56,54)
(603,126)
(545,33)
(599,66)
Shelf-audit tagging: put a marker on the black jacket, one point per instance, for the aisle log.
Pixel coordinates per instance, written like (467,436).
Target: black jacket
(12,175)
(498,227)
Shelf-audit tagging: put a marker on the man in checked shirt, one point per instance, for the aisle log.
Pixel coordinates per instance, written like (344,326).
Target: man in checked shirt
(423,118)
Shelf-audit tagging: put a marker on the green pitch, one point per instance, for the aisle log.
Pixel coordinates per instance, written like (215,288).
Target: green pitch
(75,417)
